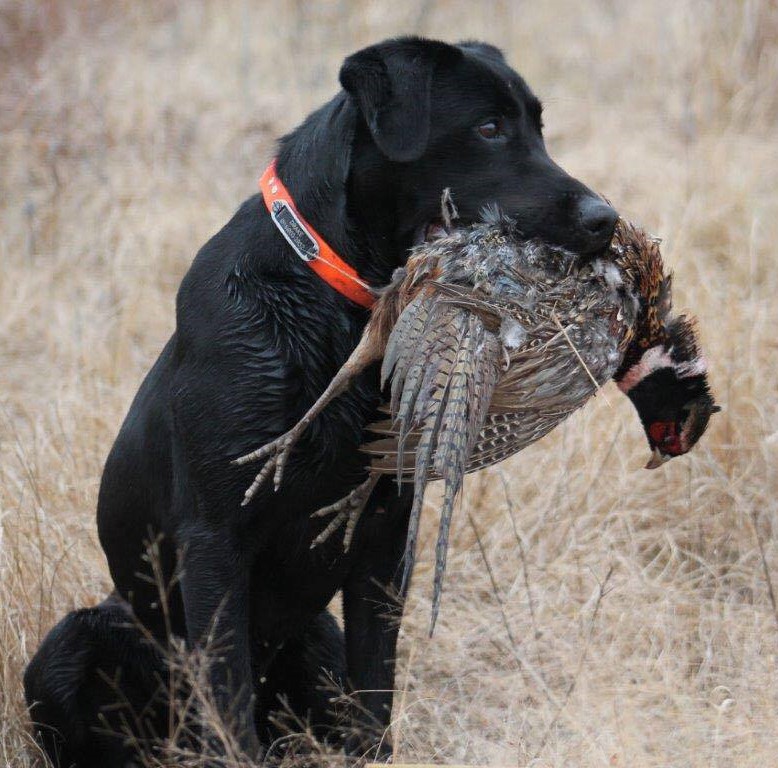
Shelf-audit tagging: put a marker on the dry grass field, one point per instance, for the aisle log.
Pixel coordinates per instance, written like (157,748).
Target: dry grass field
(130,131)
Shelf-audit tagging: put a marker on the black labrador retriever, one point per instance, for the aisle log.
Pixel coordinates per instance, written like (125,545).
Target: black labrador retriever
(258,337)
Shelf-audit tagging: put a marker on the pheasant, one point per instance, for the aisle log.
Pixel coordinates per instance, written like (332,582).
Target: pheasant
(490,341)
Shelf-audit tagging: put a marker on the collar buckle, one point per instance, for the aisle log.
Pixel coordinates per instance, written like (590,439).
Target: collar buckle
(309,245)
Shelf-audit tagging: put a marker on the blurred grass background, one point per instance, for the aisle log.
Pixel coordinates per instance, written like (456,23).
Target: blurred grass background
(130,131)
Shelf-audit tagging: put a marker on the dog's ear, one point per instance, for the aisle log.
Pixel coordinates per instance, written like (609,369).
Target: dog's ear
(391,82)
(486,50)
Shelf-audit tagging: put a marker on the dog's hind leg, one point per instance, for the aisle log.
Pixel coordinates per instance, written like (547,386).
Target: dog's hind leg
(96,689)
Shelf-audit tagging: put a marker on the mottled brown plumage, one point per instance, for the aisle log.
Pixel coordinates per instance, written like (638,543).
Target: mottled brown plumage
(490,341)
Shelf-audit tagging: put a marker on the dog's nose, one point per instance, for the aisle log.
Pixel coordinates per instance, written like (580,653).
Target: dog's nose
(598,220)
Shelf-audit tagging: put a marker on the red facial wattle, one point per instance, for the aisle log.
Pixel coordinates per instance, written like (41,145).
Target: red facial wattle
(665,436)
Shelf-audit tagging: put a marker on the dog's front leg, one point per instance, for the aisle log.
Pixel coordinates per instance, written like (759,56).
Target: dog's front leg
(372,612)
(215,590)
(372,622)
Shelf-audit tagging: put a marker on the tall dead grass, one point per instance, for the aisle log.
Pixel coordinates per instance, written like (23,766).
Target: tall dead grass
(128,134)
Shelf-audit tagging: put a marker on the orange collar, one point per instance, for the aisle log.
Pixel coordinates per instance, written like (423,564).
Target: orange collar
(309,244)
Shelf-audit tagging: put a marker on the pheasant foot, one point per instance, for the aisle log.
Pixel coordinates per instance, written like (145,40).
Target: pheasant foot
(276,455)
(348,509)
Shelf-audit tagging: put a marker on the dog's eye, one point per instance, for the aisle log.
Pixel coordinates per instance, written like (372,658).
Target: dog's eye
(492,129)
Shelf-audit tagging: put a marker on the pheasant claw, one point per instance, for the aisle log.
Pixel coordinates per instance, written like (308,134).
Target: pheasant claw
(349,509)
(276,454)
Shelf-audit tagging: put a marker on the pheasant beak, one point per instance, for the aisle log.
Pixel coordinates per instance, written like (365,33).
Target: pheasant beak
(657,459)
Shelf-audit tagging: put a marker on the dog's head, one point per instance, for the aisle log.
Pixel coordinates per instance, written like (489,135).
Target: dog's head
(432,115)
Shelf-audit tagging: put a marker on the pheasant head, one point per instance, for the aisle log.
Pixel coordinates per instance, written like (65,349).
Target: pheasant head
(663,371)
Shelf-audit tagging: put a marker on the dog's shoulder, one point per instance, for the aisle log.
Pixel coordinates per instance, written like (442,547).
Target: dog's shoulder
(258,335)
(239,282)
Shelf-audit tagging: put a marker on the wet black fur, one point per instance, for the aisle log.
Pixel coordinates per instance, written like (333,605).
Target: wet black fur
(96,679)
(258,336)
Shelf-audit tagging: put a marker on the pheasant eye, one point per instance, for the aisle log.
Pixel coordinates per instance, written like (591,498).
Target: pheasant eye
(492,129)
